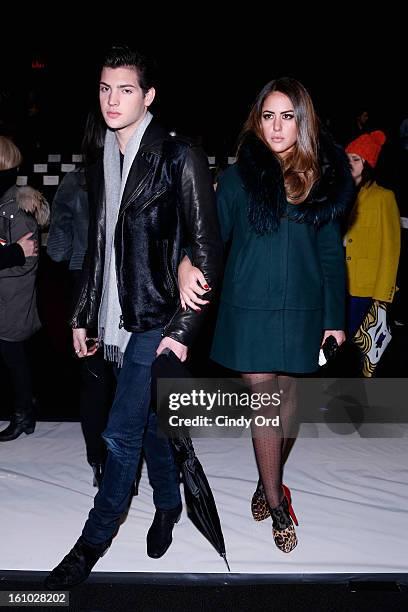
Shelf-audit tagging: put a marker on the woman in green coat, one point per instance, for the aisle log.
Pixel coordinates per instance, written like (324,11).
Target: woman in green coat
(284,284)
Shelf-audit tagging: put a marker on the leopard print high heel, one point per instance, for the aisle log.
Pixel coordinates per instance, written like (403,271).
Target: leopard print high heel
(283,531)
(259,505)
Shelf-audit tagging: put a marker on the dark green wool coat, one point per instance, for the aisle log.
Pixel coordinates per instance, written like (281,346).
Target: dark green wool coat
(284,281)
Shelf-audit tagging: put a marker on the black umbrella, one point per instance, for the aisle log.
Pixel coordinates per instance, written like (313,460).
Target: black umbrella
(201,507)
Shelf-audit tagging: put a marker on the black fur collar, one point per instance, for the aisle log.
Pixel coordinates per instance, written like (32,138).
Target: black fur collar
(262,177)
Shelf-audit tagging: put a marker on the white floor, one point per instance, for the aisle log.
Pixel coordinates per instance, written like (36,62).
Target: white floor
(350,494)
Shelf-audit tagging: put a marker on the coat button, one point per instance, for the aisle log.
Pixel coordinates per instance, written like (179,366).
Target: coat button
(350,240)
(348,258)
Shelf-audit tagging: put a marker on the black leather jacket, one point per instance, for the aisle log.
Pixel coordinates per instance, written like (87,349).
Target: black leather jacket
(168,203)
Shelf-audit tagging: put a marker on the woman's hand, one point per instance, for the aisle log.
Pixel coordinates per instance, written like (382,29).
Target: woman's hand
(337,333)
(192,285)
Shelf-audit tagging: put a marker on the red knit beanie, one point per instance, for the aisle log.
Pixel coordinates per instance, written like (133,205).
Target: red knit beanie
(368,146)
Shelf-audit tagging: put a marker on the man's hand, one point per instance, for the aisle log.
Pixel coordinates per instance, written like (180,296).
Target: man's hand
(79,341)
(29,246)
(178,349)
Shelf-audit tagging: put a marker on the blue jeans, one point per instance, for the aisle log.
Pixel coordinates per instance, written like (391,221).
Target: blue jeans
(131,427)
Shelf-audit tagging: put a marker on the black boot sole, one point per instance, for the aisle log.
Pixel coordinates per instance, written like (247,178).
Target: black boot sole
(16,434)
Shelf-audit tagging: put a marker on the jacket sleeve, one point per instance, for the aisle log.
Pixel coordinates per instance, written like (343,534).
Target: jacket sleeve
(86,303)
(225,213)
(11,255)
(332,261)
(197,199)
(390,247)
(60,235)
(24,223)
(80,297)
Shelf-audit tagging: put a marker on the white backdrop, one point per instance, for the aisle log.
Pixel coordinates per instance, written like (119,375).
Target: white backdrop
(349,492)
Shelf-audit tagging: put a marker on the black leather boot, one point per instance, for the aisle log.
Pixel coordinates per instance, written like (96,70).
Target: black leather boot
(159,536)
(20,422)
(76,566)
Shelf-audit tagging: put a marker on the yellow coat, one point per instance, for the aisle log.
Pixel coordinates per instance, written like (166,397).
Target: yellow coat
(373,242)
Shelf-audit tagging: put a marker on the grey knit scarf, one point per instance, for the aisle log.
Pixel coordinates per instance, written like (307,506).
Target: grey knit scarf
(111,335)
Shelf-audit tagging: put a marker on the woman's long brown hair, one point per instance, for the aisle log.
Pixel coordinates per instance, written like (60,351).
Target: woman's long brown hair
(300,167)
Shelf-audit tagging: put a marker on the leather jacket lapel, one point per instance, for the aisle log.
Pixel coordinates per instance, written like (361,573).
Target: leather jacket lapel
(141,169)
(138,176)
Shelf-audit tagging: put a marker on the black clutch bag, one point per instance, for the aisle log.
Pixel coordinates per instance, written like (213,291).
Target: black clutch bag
(328,350)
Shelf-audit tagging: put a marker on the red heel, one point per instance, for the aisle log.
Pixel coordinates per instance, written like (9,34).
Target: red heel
(286,492)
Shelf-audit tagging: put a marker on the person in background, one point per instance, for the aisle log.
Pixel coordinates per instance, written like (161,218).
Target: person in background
(22,211)
(15,254)
(359,123)
(373,237)
(68,241)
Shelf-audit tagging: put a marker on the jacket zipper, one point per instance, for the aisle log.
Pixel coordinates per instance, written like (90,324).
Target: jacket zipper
(154,197)
(170,282)
(9,222)
(135,193)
